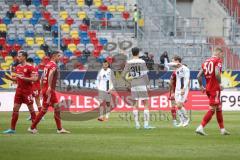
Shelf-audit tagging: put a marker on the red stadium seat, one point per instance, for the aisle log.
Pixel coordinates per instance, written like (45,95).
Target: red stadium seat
(69,21)
(109,59)
(2,41)
(14,8)
(4,53)
(96,53)
(65,60)
(7,47)
(77,53)
(94,41)
(125,15)
(103,8)
(52,21)
(92,34)
(16,47)
(76,41)
(83,27)
(67,41)
(104,22)
(46,15)
(99,47)
(45,2)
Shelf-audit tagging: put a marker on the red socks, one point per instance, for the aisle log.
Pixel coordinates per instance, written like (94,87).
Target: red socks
(57,118)
(219,116)
(174,113)
(33,116)
(14,119)
(38,119)
(207,117)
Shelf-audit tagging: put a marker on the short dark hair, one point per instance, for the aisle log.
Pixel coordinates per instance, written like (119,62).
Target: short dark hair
(135,51)
(23,53)
(54,52)
(177,58)
(30,60)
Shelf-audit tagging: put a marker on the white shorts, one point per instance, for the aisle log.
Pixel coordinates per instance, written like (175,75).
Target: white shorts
(139,92)
(104,96)
(181,98)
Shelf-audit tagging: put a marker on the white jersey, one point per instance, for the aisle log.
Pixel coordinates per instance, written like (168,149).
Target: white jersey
(182,76)
(105,80)
(137,68)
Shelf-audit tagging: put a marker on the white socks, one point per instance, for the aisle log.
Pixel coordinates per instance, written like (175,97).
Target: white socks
(146,117)
(101,110)
(108,110)
(135,114)
(182,114)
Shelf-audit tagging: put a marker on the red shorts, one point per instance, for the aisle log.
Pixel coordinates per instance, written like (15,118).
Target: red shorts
(214,97)
(49,100)
(20,98)
(36,93)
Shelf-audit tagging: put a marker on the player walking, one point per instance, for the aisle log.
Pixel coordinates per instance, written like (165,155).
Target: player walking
(105,86)
(172,87)
(211,69)
(135,72)
(181,90)
(25,75)
(48,82)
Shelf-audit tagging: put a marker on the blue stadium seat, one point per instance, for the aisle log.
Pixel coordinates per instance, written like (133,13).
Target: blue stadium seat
(83,35)
(54,28)
(36,2)
(85,40)
(100,59)
(37,14)
(68,53)
(29,33)
(55,41)
(21,41)
(6,20)
(37,60)
(99,15)
(11,41)
(33,21)
(109,15)
(103,41)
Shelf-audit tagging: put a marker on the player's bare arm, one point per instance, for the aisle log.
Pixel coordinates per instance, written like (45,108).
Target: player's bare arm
(218,76)
(199,77)
(50,79)
(11,78)
(33,78)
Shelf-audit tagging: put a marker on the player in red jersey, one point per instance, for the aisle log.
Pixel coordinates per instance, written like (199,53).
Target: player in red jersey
(25,75)
(172,86)
(211,69)
(36,87)
(48,84)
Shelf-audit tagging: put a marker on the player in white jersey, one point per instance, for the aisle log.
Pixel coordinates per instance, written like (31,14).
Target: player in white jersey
(105,79)
(135,72)
(181,90)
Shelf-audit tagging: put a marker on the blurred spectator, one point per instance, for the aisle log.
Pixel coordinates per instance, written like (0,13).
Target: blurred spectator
(86,21)
(150,62)
(145,57)
(164,59)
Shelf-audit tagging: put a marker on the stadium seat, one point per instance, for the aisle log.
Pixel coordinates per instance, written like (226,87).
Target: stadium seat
(80,3)
(7,47)
(103,41)
(68,53)
(109,15)
(65,59)
(5,66)
(81,15)
(3,53)
(37,14)
(77,53)
(83,34)
(29,33)
(69,21)
(19,14)
(6,20)
(99,47)
(33,21)
(29,41)
(63,14)
(66,41)
(72,47)
(52,21)
(2,41)
(94,41)
(103,8)
(39,40)
(20,41)
(40,53)
(8,60)
(112,8)
(99,15)
(109,59)
(65,28)
(120,8)
(83,27)
(92,34)
(46,15)
(125,15)
(96,53)
(55,41)
(11,41)
(16,47)
(14,8)
(74,34)
(28,14)
(55,28)
(97,3)
(3,27)
(45,2)
(76,41)
(37,60)
(36,2)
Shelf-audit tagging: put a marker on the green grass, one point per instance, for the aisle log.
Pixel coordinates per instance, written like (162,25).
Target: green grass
(118,139)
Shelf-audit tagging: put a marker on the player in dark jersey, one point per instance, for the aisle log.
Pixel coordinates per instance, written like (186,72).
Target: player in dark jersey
(48,83)
(25,75)
(211,69)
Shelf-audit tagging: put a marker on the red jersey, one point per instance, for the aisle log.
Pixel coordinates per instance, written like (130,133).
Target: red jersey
(50,66)
(174,80)
(36,85)
(24,71)
(208,67)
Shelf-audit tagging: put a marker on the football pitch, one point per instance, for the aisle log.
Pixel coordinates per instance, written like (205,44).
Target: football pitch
(118,139)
